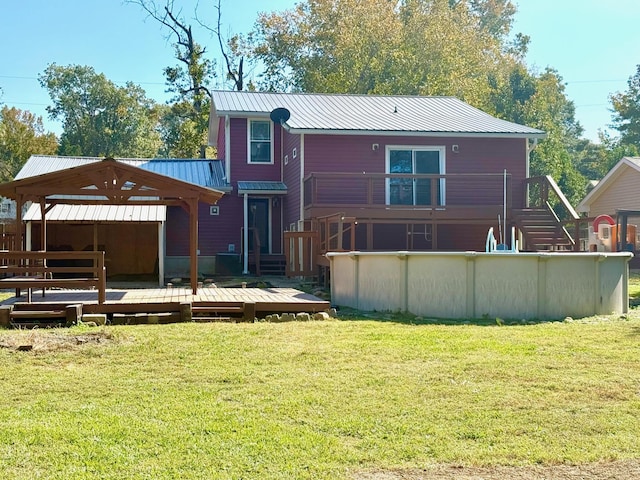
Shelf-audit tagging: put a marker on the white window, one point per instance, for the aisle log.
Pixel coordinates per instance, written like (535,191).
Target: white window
(260,144)
(413,161)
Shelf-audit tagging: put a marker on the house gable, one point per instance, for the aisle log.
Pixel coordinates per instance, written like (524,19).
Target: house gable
(618,190)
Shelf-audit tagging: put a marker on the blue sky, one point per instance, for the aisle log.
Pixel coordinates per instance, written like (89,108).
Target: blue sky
(593,44)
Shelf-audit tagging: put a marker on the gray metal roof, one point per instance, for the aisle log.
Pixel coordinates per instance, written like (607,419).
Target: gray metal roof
(370,114)
(202,172)
(99,213)
(262,187)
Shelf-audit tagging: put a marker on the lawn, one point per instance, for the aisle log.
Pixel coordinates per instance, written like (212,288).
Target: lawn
(316,400)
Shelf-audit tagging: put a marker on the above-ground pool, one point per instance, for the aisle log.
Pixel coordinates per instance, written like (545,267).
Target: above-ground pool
(474,285)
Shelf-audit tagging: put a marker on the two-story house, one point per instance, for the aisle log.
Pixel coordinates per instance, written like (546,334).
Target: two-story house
(372,172)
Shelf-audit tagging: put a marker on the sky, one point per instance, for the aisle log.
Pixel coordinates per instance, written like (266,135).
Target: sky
(593,44)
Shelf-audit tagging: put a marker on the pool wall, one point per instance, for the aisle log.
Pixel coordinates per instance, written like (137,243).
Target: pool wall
(474,285)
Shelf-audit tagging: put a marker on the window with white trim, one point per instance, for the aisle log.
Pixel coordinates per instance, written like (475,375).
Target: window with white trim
(413,161)
(260,141)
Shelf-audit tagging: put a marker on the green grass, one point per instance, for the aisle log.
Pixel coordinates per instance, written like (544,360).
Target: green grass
(318,400)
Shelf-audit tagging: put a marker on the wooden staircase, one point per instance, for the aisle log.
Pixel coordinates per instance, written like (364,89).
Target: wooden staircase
(542,230)
(273,265)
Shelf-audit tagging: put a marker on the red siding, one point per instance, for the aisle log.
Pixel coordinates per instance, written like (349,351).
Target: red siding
(291,178)
(241,169)
(221,140)
(355,154)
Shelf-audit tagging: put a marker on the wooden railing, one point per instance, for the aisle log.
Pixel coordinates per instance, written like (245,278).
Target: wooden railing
(301,252)
(403,191)
(544,192)
(43,269)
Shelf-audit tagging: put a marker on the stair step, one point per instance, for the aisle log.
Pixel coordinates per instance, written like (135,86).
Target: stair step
(214,319)
(38,314)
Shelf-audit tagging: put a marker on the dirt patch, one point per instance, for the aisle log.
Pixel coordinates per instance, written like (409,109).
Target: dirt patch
(592,471)
(39,341)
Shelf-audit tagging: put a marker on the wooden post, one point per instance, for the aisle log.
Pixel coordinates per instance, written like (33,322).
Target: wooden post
(193,242)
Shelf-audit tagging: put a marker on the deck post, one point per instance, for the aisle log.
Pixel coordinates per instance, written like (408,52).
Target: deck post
(193,216)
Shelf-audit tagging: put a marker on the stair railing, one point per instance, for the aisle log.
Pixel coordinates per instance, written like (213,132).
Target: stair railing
(544,192)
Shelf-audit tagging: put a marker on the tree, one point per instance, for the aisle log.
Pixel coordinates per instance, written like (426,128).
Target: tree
(98,117)
(186,122)
(626,111)
(21,135)
(425,47)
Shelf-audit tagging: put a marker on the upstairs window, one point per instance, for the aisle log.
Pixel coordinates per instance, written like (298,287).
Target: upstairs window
(260,141)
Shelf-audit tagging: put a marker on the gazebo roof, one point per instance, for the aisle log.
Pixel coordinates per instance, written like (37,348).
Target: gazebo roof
(108,182)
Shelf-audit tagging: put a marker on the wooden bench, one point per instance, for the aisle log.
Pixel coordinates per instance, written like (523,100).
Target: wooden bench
(42,270)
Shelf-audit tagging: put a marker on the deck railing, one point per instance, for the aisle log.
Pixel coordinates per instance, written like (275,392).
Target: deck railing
(403,191)
(44,269)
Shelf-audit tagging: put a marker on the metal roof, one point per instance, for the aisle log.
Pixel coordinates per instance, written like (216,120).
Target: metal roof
(370,114)
(203,172)
(263,187)
(99,213)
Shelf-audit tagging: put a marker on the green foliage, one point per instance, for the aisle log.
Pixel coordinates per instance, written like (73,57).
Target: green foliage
(423,47)
(626,107)
(595,160)
(98,117)
(317,400)
(21,135)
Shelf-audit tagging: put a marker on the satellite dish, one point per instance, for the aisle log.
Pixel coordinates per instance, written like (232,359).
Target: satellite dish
(280,115)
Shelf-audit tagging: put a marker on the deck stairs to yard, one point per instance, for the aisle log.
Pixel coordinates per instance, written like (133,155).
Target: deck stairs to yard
(223,312)
(542,230)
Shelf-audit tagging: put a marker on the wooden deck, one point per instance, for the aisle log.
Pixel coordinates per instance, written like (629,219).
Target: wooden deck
(181,304)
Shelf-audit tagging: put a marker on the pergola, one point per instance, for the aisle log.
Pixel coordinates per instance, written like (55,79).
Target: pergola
(109,182)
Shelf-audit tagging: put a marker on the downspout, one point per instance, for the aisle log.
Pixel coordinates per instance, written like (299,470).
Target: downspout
(245,236)
(227,149)
(301,219)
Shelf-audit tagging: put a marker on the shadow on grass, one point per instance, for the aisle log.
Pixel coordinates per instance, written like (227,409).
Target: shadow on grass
(347,314)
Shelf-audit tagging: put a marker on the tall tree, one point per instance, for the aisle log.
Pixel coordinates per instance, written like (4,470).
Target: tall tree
(21,135)
(185,123)
(423,47)
(98,117)
(626,111)
(426,47)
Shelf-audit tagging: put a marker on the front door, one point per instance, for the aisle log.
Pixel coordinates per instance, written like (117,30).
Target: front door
(259,222)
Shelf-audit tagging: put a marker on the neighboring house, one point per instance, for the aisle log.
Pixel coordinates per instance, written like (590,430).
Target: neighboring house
(615,200)
(391,172)
(618,190)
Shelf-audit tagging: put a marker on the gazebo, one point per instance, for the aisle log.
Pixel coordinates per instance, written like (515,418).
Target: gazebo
(110,182)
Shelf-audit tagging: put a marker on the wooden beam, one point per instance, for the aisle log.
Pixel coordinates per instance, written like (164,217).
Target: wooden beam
(193,242)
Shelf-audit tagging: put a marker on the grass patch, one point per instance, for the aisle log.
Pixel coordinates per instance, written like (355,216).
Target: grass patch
(634,288)
(319,400)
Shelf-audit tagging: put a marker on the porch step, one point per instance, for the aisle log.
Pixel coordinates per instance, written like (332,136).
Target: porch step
(273,265)
(223,312)
(34,315)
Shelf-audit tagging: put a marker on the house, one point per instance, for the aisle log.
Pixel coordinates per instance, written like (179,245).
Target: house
(374,172)
(615,201)
(298,175)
